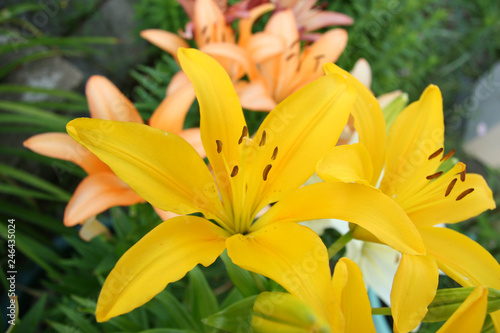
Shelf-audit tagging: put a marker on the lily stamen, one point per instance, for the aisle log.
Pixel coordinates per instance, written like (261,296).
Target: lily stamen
(235,171)
(447,156)
(450,187)
(266,171)
(464,193)
(436,153)
(434,176)
(275,154)
(263,139)
(219,146)
(244,133)
(462,174)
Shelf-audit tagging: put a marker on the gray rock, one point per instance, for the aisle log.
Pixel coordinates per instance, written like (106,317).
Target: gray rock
(482,137)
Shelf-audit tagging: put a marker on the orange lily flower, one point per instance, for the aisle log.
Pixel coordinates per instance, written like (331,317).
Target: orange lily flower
(102,189)
(282,66)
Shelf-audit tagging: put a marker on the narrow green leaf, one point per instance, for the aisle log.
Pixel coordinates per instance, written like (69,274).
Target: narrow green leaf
(34,181)
(234,318)
(179,313)
(69,95)
(241,278)
(447,301)
(202,298)
(24,192)
(78,320)
(31,111)
(33,317)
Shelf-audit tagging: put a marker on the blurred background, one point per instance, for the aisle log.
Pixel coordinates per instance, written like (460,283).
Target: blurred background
(49,48)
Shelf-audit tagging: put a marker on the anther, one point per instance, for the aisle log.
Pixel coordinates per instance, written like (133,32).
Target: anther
(434,176)
(275,154)
(294,42)
(204,30)
(436,153)
(462,174)
(464,193)
(243,134)
(219,145)
(235,171)
(447,156)
(290,57)
(262,139)
(450,187)
(266,171)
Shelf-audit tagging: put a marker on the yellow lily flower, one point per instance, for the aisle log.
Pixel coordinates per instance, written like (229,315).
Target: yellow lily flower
(276,312)
(249,175)
(102,189)
(410,158)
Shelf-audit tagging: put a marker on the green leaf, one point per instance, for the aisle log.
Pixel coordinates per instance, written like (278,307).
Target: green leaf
(241,278)
(179,313)
(69,95)
(448,300)
(33,317)
(234,318)
(34,112)
(34,181)
(78,320)
(202,298)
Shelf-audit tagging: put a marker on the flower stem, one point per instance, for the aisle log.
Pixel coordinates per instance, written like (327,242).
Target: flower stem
(339,244)
(381,311)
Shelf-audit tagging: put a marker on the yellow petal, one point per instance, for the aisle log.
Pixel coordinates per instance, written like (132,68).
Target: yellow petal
(464,260)
(346,163)
(431,206)
(350,290)
(220,111)
(62,146)
(245,24)
(368,121)
(165,40)
(469,317)
(253,96)
(95,194)
(164,255)
(107,102)
(301,129)
(161,167)
(171,113)
(293,256)
(356,203)
(415,135)
(413,289)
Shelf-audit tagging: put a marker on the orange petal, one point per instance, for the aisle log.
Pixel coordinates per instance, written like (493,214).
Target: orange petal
(254,96)
(245,24)
(210,24)
(322,19)
(165,40)
(107,102)
(193,137)
(62,146)
(327,49)
(164,215)
(235,59)
(263,46)
(97,193)
(171,113)
(178,81)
